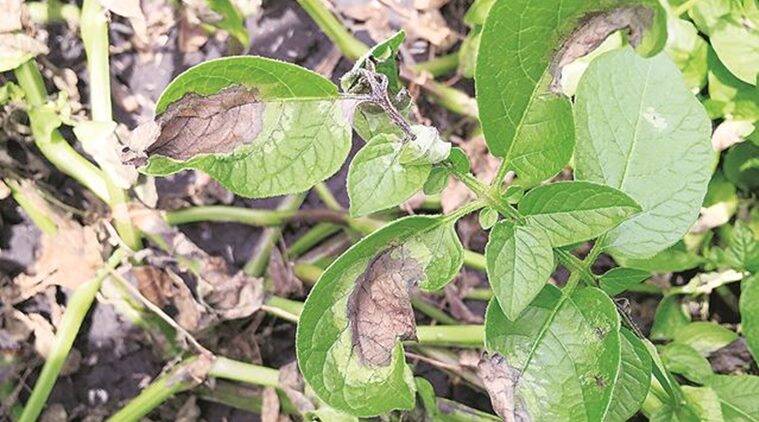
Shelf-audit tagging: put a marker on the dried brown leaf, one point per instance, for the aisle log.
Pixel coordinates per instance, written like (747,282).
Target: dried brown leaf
(270,405)
(379,309)
(10,18)
(293,385)
(164,288)
(500,381)
(282,275)
(458,308)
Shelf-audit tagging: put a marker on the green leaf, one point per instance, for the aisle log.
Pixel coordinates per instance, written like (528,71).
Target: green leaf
(634,378)
(618,280)
(565,354)
(737,394)
(488,217)
(676,258)
(259,126)
(705,337)
(688,50)
(523,117)
(640,130)
(377,179)
(573,212)
(729,95)
(519,263)
(348,332)
(436,181)
(749,309)
(704,402)
(668,319)
(733,29)
(686,361)
(743,248)
(739,167)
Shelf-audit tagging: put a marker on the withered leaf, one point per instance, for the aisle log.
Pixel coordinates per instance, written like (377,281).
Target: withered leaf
(283,275)
(294,387)
(270,405)
(500,381)
(379,308)
(164,288)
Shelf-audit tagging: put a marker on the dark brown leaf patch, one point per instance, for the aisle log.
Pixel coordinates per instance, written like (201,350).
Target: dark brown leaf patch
(195,124)
(500,381)
(379,309)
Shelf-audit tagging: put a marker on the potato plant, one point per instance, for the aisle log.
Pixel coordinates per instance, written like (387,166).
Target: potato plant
(640,146)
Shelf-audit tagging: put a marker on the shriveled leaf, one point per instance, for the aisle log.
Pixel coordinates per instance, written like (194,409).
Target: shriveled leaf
(377,179)
(618,280)
(258,126)
(640,130)
(17,48)
(519,263)
(426,148)
(99,141)
(705,337)
(348,332)
(682,359)
(634,379)
(669,317)
(572,212)
(737,395)
(527,44)
(500,380)
(749,310)
(705,283)
(566,354)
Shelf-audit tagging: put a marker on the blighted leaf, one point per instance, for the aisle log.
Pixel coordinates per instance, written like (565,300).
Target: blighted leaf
(737,395)
(99,141)
(377,179)
(618,280)
(348,332)
(527,44)
(566,353)
(682,359)
(749,310)
(258,126)
(17,48)
(572,212)
(426,148)
(633,380)
(733,29)
(519,263)
(641,131)
(500,380)
(705,337)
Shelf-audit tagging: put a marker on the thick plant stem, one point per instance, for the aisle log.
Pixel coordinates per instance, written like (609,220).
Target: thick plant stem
(311,238)
(76,309)
(439,65)
(256,267)
(56,149)
(244,372)
(451,335)
(38,216)
(95,38)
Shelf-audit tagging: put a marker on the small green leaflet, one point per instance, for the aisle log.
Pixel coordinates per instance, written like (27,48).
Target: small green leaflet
(669,317)
(749,309)
(618,280)
(378,180)
(640,130)
(565,355)
(737,395)
(686,361)
(523,118)
(259,126)
(634,378)
(573,212)
(519,263)
(705,337)
(733,30)
(348,333)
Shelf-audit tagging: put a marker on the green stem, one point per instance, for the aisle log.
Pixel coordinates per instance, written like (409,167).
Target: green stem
(311,238)
(451,335)
(349,45)
(432,311)
(256,267)
(244,372)
(76,309)
(38,216)
(452,99)
(55,148)
(322,190)
(286,309)
(439,65)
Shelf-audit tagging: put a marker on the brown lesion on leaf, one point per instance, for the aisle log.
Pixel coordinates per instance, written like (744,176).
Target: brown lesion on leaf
(197,124)
(500,380)
(593,29)
(379,309)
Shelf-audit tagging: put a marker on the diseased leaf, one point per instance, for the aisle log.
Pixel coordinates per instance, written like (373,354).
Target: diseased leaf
(378,180)
(749,309)
(566,354)
(519,263)
(618,280)
(572,212)
(523,118)
(737,395)
(348,332)
(500,380)
(705,337)
(634,378)
(258,126)
(669,317)
(660,151)
(686,361)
